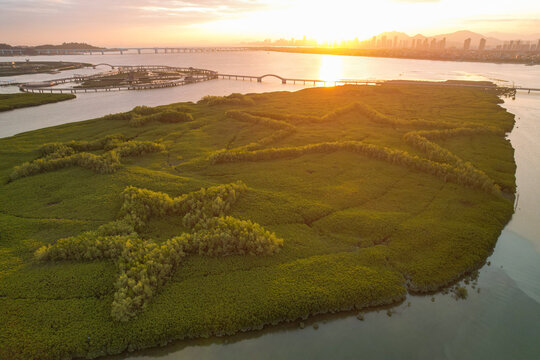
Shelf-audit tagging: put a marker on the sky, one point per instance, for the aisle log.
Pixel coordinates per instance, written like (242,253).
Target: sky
(229,22)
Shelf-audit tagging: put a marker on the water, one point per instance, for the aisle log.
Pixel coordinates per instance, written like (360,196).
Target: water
(325,67)
(502,321)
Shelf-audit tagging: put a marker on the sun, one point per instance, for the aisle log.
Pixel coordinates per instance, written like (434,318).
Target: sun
(330,69)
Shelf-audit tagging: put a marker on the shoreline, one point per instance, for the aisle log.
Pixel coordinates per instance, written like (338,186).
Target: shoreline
(369,54)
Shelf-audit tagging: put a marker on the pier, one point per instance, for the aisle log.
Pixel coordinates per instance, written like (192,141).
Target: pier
(198,75)
(194,75)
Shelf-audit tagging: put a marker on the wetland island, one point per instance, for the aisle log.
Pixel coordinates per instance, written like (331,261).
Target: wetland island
(192,220)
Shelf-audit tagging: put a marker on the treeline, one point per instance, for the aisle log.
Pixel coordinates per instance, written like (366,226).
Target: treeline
(462,173)
(166,116)
(233,99)
(106,143)
(421,140)
(467,175)
(283,129)
(61,155)
(141,204)
(266,121)
(145,266)
(142,115)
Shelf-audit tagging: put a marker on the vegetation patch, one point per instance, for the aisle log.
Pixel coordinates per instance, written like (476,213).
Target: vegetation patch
(263,210)
(16,101)
(56,156)
(13,68)
(233,99)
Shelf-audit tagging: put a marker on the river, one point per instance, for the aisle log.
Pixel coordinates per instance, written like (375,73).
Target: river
(501,321)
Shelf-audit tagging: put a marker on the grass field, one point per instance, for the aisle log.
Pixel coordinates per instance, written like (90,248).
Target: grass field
(35,67)
(192,220)
(16,101)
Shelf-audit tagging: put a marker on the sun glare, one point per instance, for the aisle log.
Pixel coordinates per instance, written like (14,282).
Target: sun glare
(331,69)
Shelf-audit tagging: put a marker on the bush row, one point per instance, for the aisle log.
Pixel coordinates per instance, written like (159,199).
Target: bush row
(287,117)
(233,99)
(106,143)
(467,175)
(100,164)
(166,116)
(266,121)
(419,140)
(141,204)
(221,236)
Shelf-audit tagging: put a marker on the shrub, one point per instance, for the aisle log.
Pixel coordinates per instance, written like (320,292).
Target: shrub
(62,155)
(233,99)
(272,123)
(465,175)
(166,116)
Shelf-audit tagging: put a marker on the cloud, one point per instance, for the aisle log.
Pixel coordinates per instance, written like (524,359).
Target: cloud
(124,11)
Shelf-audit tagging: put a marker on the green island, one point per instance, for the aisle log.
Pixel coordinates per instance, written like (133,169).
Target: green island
(21,100)
(196,220)
(13,68)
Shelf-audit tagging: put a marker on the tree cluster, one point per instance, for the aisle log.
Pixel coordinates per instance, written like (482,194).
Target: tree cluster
(466,175)
(61,155)
(145,265)
(233,99)
(166,116)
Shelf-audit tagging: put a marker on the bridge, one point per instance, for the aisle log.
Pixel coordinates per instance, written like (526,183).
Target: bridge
(121,51)
(296,80)
(363,82)
(198,75)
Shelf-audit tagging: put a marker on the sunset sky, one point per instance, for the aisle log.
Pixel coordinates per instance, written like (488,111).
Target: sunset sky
(209,22)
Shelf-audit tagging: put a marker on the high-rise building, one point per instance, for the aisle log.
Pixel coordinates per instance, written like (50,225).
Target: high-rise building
(433,44)
(482,44)
(538,46)
(395,42)
(467,44)
(383,42)
(442,43)
(413,43)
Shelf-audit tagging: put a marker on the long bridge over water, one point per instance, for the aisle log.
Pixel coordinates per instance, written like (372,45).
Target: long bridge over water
(121,51)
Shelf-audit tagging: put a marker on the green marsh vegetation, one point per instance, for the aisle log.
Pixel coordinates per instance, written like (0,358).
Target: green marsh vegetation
(34,67)
(15,101)
(251,211)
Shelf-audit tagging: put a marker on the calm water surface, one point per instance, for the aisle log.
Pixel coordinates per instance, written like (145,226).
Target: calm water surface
(502,321)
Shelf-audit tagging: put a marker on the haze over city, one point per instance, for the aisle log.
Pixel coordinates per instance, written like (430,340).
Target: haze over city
(214,22)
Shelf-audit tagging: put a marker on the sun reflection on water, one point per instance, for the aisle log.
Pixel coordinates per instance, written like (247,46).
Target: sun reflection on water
(331,69)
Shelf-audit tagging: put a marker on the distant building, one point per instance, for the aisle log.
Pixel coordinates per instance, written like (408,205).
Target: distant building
(467,44)
(433,44)
(538,46)
(482,44)
(442,44)
(395,42)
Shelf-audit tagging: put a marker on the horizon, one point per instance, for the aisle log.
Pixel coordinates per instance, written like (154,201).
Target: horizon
(214,22)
